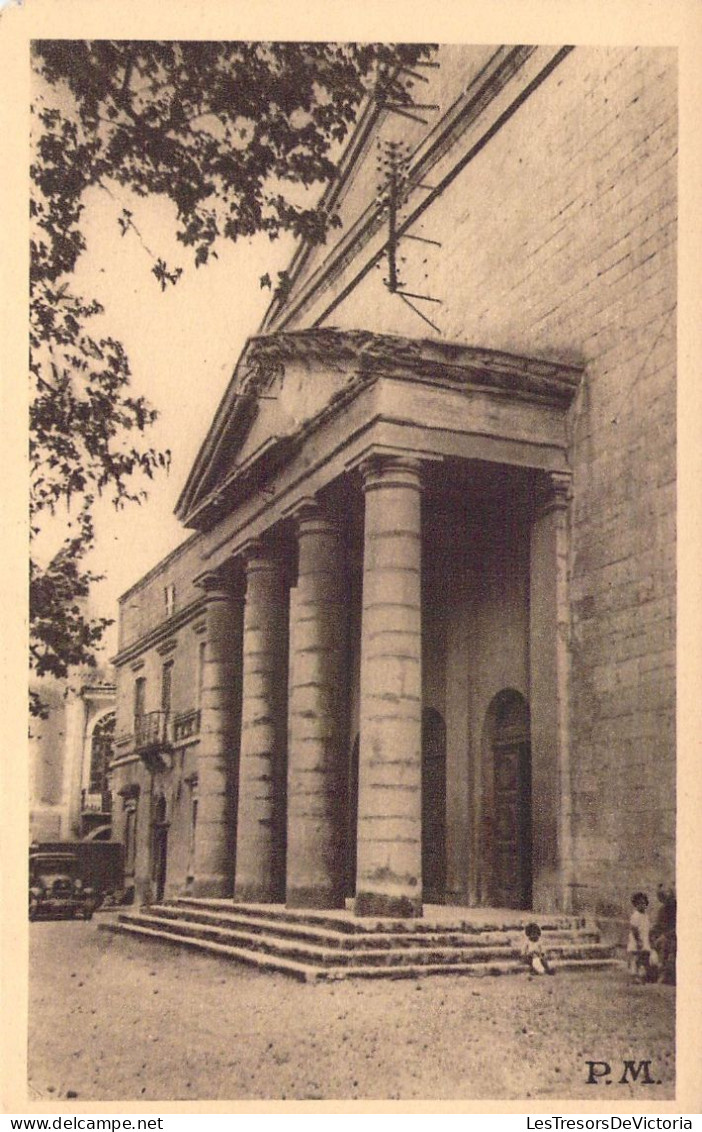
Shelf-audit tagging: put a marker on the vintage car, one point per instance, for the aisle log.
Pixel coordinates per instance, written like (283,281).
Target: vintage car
(56,889)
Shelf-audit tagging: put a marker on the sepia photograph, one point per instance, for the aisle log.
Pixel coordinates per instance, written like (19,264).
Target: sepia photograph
(353,473)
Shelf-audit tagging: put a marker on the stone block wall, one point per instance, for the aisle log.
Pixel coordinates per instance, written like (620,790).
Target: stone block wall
(143,607)
(558,240)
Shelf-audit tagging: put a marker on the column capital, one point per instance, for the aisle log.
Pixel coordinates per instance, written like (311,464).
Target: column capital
(555,493)
(256,554)
(310,514)
(390,470)
(224,581)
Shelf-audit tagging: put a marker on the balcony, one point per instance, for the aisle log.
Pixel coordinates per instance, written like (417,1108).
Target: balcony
(186,724)
(96,802)
(152,739)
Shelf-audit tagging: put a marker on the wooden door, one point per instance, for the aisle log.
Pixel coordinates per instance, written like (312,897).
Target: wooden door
(160,860)
(159,849)
(433,807)
(511,874)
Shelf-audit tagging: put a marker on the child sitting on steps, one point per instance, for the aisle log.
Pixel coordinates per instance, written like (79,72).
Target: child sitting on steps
(533,951)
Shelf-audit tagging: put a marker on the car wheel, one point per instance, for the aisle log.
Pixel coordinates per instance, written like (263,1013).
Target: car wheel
(87,915)
(33,909)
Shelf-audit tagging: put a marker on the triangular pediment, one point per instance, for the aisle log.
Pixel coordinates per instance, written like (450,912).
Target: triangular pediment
(286,384)
(280,383)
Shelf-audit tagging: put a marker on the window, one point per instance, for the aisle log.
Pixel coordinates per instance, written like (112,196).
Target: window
(139,696)
(166,687)
(101,753)
(201,654)
(169,595)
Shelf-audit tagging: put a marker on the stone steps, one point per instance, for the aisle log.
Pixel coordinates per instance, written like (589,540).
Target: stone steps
(434,919)
(311,946)
(304,950)
(338,939)
(391,937)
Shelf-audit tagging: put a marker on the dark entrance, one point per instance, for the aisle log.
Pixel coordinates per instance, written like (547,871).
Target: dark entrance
(511,769)
(433,807)
(352,820)
(160,848)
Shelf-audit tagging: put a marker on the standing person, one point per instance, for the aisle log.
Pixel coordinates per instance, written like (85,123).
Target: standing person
(664,936)
(642,958)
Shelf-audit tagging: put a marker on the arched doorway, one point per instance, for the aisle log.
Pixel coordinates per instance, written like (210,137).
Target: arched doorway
(507,734)
(160,848)
(433,807)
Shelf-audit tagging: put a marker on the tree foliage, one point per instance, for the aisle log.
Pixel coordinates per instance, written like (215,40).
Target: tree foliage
(241,137)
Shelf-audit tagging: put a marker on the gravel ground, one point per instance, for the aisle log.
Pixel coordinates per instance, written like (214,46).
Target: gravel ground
(113,1018)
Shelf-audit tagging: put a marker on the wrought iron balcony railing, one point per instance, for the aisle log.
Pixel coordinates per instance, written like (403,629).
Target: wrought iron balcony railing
(152,732)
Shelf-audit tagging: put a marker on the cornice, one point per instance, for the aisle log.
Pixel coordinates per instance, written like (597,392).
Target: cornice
(160,566)
(408,221)
(367,358)
(98,691)
(240,404)
(369,355)
(504,65)
(160,633)
(333,194)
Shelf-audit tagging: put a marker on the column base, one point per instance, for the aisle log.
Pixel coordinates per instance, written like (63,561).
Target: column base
(547,892)
(378,904)
(254,894)
(142,891)
(212,886)
(314,898)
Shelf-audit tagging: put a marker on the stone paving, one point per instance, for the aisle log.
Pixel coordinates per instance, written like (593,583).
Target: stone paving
(118,1019)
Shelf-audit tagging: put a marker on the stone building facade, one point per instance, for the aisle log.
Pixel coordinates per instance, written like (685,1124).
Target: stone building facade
(420,646)
(69,757)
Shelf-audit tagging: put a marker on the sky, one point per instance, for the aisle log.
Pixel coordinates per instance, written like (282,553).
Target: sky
(183,345)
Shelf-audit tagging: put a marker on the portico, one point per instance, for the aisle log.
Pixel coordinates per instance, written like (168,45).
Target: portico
(393,689)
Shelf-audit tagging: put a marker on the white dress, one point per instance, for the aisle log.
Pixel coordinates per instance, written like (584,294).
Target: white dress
(639,932)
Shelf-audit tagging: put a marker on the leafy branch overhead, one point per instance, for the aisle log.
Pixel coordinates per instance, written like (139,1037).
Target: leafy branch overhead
(241,138)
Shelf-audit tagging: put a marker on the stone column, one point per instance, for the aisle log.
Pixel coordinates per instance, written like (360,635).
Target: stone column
(549,704)
(260,846)
(219,737)
(389,871)
(317,710)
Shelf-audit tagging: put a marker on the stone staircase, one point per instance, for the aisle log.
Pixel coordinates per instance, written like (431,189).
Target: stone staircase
(332,945)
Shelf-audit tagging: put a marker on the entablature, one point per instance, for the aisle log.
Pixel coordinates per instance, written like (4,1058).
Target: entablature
(433,399)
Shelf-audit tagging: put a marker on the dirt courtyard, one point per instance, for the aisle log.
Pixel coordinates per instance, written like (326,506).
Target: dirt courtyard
(113,1018)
